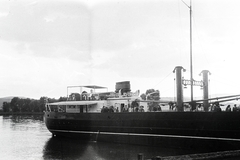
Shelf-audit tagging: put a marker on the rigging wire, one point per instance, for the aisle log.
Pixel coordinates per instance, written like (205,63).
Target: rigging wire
(162,91)
(185,4)
(163,79)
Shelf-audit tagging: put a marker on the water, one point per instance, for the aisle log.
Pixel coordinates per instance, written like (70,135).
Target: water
(27,138)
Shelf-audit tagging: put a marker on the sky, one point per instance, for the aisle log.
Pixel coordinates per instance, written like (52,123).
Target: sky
(47,45)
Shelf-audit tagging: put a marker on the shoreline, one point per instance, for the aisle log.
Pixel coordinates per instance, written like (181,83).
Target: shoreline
(21,113)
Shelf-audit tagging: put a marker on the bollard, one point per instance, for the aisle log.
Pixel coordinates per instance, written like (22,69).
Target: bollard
(158,158)
(140,156)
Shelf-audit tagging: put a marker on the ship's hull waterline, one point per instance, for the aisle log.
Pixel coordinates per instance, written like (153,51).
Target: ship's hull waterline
(150,128)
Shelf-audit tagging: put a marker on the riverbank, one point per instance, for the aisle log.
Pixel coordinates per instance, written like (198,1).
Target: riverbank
(21,113)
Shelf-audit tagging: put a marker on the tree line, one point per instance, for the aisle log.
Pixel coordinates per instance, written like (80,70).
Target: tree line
(29,105)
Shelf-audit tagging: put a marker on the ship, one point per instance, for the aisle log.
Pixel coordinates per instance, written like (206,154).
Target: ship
(121,116)
(114,117)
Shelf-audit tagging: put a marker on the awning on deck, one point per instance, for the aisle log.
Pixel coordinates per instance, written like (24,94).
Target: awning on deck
(89,86)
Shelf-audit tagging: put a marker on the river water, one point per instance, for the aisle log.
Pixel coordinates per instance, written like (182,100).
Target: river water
(27,138)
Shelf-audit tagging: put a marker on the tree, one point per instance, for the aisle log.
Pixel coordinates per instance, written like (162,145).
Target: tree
(143,96)
(62,99)
(52,100)
(6,107)
(35,107)
(42,102)
(26,106)
(21,104)
(154,95)
(14,105)
(29,105)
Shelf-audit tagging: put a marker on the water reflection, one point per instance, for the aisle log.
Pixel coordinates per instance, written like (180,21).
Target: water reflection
(24,122)
(66,148)
(62,148)
(23,118)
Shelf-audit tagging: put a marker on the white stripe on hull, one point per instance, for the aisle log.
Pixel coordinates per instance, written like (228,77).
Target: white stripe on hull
(146,135)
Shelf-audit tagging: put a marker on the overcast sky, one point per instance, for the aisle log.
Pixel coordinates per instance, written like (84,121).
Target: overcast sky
(46,46)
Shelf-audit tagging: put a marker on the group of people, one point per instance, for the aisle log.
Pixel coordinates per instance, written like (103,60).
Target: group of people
(216,108)
(108,109)
(133,109)
(126,108)
(157,108)
(194,107)
(234,109)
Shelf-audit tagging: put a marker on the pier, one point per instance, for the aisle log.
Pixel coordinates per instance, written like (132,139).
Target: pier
(201,156)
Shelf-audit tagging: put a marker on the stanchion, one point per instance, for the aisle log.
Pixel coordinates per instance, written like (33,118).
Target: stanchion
(140,156)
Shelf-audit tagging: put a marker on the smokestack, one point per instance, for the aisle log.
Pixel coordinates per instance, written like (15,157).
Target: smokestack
(178,71)
(205,89)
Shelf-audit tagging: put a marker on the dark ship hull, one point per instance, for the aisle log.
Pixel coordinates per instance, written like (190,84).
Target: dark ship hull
(191,129)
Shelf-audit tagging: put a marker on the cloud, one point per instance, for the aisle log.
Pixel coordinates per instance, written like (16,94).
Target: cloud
(72,29)
(44,28)
(132,33)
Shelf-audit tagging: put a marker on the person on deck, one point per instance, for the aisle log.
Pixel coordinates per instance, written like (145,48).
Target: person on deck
(111,109)
(159,109)
(136,109)
(217,107)
(103,108)
(141,109)
(228,109)
(235,108)
(125,108)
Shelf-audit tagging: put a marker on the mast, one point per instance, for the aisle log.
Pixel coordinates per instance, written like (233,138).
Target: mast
(191,66)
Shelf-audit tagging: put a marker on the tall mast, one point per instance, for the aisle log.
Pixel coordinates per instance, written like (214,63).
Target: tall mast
(191,67)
